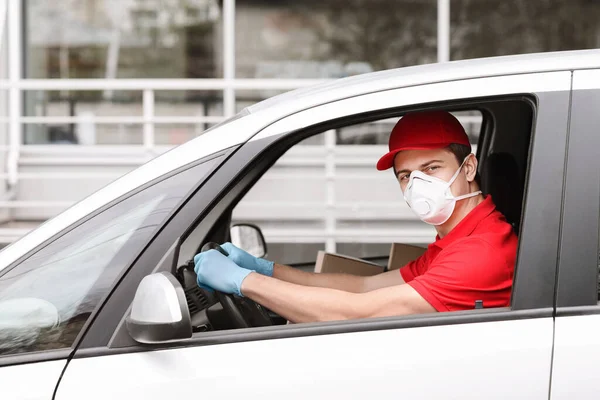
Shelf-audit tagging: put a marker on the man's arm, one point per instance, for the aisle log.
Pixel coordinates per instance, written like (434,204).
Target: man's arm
(345,282)
(312,304)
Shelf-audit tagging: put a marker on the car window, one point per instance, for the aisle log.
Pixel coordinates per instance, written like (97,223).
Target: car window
(319,196)
(45,300)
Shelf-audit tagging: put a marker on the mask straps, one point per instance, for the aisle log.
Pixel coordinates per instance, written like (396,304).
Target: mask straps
(464,196)
(451,181)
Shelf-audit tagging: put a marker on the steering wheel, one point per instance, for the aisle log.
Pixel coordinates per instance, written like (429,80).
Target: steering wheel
(244,313)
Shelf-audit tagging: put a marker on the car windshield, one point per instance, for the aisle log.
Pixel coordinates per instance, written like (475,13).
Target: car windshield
(46,299)
(63,287)
(80,263)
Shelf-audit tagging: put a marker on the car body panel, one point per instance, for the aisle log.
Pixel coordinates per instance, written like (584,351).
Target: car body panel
(34,381)
(423,94)
(470,361)
(576,354)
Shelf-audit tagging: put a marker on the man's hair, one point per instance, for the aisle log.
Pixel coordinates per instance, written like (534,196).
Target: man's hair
(461,152)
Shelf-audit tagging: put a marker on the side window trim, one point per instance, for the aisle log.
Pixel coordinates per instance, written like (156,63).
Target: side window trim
(423,94)
(39,356)
(537,251)
(578,258)
(330,328)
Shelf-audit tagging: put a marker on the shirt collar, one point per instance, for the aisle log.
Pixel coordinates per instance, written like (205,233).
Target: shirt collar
(468,224)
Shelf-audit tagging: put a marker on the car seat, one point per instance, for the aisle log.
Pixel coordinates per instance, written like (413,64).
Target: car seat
(501,179)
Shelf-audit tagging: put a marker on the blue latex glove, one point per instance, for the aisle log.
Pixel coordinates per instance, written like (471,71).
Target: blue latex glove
(247,260)
(216,271)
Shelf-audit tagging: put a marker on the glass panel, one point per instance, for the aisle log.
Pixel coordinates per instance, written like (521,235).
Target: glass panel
(85,133)
(500,27)
(246,98)
(85,106)
(332,38)
(471,121)
(124,39)
(189,103)
(378,132)
(175,134)
(46,300)
(116,39)
(88,133)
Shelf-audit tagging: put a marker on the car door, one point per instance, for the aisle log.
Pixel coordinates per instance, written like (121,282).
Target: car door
(577,342)
(491,353)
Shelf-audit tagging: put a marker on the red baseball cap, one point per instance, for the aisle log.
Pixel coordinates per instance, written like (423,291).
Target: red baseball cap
(424,130)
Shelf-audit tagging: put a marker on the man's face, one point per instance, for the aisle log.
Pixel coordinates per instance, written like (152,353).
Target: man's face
(440,163)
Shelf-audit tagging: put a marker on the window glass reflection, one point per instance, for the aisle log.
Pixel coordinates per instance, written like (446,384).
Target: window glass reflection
(115,39)
(502,27)
(332,38)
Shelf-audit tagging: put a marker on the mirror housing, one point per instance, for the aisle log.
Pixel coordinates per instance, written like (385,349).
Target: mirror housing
(249,237)
(159,312)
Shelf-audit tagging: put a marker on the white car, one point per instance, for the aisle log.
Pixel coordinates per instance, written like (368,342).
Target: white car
(99,303)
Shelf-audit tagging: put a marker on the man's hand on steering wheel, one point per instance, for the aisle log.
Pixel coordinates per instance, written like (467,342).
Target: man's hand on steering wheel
(247,260)
(218,272)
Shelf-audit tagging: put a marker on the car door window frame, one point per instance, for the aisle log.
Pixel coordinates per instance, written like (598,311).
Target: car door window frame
(246,166)
(579,258)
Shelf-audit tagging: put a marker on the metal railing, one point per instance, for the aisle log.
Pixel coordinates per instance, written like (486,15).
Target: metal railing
(148,120)
(15,154)
(328,157)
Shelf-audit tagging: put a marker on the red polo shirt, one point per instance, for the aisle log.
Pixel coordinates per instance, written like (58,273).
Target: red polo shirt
(475,261)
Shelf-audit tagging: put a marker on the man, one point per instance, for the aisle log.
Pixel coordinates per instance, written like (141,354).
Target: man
(472,258)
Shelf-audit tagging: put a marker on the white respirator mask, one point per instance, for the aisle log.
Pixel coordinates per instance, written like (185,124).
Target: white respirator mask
(431,198)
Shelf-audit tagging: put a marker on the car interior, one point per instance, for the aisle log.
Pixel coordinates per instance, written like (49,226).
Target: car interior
(502,151)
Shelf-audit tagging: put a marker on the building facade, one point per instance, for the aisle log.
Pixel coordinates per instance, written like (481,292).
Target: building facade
(93,88)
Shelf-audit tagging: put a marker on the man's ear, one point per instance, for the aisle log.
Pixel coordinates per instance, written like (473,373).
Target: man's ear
(470,167)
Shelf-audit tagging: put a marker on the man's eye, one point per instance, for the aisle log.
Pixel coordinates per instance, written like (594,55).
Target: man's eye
(403,177)
(432,168)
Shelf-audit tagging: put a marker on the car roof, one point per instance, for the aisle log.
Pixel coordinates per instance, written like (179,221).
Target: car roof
(254,118)
(300,99)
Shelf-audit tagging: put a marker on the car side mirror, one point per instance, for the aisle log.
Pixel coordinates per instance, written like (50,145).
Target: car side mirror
(159,312)
(248,237)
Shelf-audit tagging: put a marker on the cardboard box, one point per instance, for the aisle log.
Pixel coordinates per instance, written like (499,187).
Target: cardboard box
(336,263)
(400,255)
